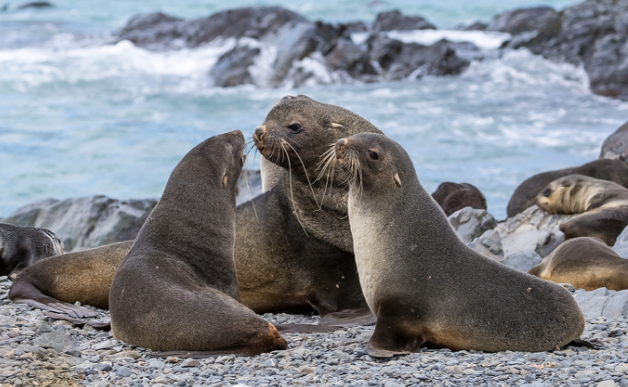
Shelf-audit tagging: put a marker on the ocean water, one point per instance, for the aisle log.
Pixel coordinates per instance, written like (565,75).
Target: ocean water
(80,116)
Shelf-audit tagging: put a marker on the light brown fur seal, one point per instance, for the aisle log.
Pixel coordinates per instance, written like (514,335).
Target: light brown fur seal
(605,169)
(586,263)
(425,286)
(20,247)
(177,288)
(56,283)
(294,251)
(603,205)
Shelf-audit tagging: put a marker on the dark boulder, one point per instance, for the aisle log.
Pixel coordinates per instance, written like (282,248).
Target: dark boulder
(35,4)
(232,68)
(395,20)
(543,20)
(400,60)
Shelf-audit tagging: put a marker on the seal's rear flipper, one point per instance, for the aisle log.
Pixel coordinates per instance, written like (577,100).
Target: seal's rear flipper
(592,344)
(79,321)
(24,292)
(350,317)
(383,353)
(306,328)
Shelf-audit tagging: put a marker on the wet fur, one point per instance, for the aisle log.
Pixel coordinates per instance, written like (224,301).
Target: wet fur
(603,169)
(586,263)
(425,286)
(177,288)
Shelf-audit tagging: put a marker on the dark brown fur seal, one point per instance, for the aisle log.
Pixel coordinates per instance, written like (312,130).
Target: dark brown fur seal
(452,197)
(586,263)
(20,247)
(425,286)
(603,205)
(294,251)
(177,288)
(56,283)
(604,169)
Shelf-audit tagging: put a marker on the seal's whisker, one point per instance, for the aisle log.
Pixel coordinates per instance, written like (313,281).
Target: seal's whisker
(304,170)
(294,208)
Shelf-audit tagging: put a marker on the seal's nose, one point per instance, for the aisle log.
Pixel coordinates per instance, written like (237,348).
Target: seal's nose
(340,144)
(259,133)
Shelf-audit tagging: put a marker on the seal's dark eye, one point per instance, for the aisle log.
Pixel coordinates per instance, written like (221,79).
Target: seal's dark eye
(547,192)
(373,155)
(296,128)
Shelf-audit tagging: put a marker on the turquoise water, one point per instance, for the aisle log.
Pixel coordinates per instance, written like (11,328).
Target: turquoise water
(80,117)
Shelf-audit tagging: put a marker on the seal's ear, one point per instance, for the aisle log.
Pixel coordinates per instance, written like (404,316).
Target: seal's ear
(397,179)
(224,181)
(336,125)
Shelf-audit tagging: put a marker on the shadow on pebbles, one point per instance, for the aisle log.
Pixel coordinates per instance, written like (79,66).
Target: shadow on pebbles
(38,351)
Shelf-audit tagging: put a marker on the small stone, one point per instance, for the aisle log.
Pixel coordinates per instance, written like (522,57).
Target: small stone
(123,371)
(392,384)
(109,344)
(132,354)
(191,363)
(606,383)
(172,359)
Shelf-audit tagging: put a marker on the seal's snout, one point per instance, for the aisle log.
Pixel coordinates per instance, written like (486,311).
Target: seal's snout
(340,147)
(260,131)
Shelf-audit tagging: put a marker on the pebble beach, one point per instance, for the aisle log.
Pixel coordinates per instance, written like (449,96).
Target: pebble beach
(36,350)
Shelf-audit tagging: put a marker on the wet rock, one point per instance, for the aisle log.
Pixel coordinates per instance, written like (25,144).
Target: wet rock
(616,145)
(592,33)
(86,222)
(543,21)
(471,223)
(349,57)
(475,26)
(411,60)
(395,20)
(232,68)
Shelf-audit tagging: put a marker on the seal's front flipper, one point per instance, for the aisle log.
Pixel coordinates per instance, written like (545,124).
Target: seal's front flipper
(591,344)
(350,317)
(383,353)
(24,292)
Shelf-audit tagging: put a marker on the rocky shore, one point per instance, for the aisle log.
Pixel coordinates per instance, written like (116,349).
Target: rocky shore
(273,46)
(38,351)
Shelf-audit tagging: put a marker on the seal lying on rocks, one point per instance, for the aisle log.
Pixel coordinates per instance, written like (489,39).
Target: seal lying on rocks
(424,285)
(586,263)
(603,205)
(177,288)
(294,250)
(20,247)
(604,169)
(452,197)
(56,283)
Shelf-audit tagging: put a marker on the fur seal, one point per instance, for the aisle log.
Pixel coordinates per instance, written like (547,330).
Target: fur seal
(56,283)
(452,197)
(20,247)
(604,169)
(414,270)
(603,205)
(586,263)
(294,251)
(177,288)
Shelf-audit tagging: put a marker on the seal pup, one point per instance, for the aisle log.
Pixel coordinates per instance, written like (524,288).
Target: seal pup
(57,282)
(603,205)
(294,251)
(177,288)
(452,197)
(586,263)
(604,169)
(20,247)
(424,285)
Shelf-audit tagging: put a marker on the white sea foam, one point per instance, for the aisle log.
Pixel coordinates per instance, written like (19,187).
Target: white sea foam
(482,39)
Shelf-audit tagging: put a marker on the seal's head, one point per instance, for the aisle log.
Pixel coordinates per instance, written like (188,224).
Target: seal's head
(373,160)
(298,131)
(570,194)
